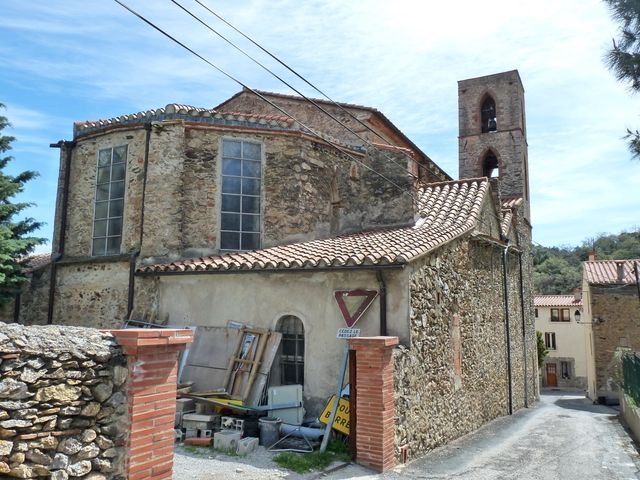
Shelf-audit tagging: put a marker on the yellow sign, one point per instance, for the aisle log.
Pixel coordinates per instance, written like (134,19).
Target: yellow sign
(341,422)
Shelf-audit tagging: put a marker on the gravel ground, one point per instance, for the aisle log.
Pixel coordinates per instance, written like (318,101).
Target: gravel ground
(202,463)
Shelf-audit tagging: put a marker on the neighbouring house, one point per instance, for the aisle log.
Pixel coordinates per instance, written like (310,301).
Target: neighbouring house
(201,217)
(558,317)
(611,297)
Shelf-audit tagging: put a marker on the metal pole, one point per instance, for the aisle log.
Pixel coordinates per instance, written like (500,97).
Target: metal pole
(334,410)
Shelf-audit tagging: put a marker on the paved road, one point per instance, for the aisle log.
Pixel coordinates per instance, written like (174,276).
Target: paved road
(564,437)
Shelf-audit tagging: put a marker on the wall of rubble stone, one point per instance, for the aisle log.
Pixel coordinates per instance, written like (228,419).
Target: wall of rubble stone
(452,378)
(308,114)
(92,294)
(619,331)
(63,408)
(33,299)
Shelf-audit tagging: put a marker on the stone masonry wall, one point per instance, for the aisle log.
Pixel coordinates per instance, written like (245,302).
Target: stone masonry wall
(453,377)
(33,298)
(92,294)
(309,114)
(619,309)
(63,410)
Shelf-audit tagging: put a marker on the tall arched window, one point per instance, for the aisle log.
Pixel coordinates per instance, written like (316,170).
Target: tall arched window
(291,351)
(488,115)
(490,165)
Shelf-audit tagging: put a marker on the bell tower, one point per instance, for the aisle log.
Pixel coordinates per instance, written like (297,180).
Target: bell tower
(492,138)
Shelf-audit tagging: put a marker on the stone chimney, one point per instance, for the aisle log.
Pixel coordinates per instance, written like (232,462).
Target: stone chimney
(591,256)
(620,270)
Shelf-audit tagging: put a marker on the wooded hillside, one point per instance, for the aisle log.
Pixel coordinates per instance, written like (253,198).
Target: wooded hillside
(558,270)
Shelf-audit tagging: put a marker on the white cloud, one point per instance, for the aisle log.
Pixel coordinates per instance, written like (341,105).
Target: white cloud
(65,63)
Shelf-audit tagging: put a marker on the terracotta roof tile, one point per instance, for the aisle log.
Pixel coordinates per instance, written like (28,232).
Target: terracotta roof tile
(35,261)
(508,208)
(556,301)
(446,210)
(603,272)
(177,111)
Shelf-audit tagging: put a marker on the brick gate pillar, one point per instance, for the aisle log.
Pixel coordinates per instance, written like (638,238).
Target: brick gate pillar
(375,405)
(152,359)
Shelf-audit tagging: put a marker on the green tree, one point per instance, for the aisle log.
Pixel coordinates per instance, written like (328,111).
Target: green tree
(15,239)
(555,275)
(558,270)
(624,57)
(542,349)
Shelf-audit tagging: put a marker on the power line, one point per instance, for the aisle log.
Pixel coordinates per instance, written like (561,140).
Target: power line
(273,56)
(284,112)
(310,100)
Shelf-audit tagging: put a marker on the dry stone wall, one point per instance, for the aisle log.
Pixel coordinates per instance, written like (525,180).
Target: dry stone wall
(63,404)
(457,310)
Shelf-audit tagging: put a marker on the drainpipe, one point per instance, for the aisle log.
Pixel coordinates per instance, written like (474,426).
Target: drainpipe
(68,146)
(506,325)
(134,255)
(132,271)
(524,335)
(16,308)
(382,287)
(635,267)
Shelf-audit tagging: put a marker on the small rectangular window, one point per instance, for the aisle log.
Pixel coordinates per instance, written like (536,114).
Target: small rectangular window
(560,315)
(241,183)
(565,370)
(109,201)
(550,340)
(536,312)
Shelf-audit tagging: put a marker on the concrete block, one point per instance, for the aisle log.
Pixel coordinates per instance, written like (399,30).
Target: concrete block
(226,440)
(195,417)
(185,405)
(232,423)
(194,421)
(247,445)
(198,433)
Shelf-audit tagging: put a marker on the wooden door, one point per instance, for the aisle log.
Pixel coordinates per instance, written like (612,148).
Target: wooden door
(552,378)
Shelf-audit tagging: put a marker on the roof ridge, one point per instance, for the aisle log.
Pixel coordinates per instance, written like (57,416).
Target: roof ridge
(612,260)
(189,110)
(451,182)
(316,100)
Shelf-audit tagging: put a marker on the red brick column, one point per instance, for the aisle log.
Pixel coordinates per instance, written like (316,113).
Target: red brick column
(152,356)
(375,405)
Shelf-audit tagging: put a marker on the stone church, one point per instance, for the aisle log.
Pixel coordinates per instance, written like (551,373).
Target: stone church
(199,217)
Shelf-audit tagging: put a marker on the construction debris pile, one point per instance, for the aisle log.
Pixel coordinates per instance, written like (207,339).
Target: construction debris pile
(225,400)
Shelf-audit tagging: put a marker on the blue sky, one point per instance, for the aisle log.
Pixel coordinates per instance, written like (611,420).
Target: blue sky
(67,61)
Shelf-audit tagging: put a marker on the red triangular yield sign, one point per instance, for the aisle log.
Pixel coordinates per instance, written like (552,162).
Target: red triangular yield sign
(353,303)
